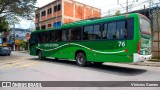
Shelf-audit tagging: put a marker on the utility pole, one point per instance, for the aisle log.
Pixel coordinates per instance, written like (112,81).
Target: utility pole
(127,7)
(149,8)
(38,16)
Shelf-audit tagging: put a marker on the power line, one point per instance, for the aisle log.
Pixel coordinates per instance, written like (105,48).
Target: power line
(122,9)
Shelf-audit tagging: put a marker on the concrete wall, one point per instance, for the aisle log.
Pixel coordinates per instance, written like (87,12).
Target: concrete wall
(155,35)
(155,44)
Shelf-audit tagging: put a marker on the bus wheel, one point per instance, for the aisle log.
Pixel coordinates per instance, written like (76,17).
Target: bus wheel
(81,59)
(40,55)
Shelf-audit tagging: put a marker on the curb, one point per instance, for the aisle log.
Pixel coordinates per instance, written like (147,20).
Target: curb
(22,51)
(148,63)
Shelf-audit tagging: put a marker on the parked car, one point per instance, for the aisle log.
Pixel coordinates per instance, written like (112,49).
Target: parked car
(5,51)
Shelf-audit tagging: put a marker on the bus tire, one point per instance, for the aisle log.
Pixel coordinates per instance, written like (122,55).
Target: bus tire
(81,59)
(40,55)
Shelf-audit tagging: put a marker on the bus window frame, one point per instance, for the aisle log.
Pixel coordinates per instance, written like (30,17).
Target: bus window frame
(101,30)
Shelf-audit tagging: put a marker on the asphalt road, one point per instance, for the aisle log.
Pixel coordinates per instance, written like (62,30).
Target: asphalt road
(23,67)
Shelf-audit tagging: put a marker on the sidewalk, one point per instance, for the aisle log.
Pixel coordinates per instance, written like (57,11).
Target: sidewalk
(152,63)
(22,51)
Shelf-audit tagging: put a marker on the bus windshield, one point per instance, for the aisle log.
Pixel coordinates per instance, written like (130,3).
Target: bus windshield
(145,26)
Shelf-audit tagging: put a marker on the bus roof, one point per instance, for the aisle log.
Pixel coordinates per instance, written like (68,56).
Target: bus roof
(89,22)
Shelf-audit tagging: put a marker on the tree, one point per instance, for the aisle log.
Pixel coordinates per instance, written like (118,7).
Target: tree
(118,13)
(23,44)
(3,25)
(12,9)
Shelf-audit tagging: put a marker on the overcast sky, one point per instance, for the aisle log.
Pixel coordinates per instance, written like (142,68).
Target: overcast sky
(106,6)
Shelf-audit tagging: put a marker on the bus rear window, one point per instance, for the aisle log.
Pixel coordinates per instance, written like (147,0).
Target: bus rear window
(145,26)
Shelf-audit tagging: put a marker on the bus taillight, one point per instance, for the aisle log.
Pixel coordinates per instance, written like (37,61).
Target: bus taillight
(139,48)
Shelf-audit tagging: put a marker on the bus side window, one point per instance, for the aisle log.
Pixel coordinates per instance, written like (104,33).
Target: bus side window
(121,30)
(47,36)
(87,33)
(104,31)
(41,37)
(73,35)
(69,35)
(96,32)
(112,30)
(76,34)
(58,35)
(38,38)
(64,37)
(130,28)
(52,36)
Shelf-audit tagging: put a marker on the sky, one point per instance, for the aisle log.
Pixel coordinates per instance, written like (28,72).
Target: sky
(106,6)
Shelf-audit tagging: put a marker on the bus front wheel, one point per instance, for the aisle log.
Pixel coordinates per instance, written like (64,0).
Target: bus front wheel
(81,59)
(40,55)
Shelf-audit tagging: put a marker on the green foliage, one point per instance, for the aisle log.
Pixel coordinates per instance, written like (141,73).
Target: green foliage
(3,25)
(12,9)
(23,44)
(118,13)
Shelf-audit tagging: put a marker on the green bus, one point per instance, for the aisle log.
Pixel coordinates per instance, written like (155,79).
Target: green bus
(126,38)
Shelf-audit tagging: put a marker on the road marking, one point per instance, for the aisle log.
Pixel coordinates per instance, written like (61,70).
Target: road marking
(19,64)
(9,61)
(9,65)
(29,64)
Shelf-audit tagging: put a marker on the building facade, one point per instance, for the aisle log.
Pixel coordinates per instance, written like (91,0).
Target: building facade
(61,12)
(16,36)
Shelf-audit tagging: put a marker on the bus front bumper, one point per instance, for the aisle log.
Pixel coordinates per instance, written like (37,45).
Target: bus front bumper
(137,57)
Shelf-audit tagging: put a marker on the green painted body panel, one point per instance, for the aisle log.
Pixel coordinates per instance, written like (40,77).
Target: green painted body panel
(95,50)
(102,51)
